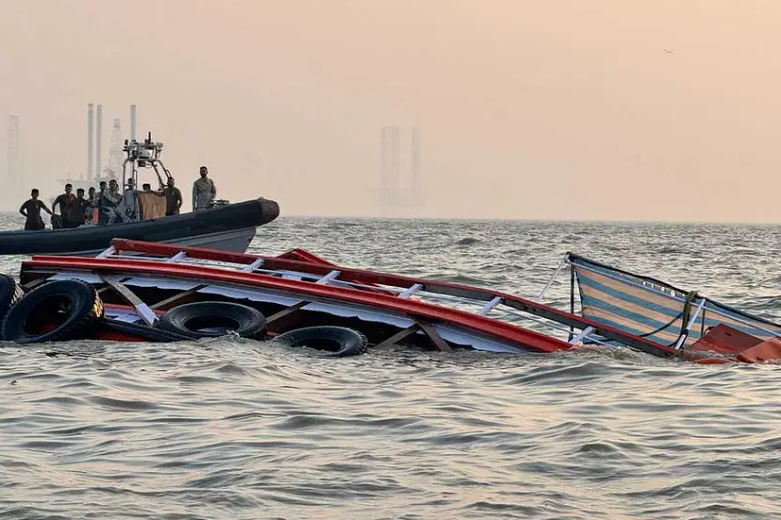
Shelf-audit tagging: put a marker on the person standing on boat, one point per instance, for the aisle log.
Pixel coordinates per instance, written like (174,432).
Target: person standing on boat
(32,212)
(76,209)
(64,201)
(129,209)
(99,202)
(109,200)
(204,191)
(173,198)
(91,211)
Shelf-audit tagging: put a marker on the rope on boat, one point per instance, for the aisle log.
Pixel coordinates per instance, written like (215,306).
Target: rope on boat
(685,333)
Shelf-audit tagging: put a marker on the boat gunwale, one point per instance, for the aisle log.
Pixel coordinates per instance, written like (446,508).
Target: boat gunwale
(485,323)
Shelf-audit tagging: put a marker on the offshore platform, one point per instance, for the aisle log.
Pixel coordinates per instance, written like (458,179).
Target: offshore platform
(399,192)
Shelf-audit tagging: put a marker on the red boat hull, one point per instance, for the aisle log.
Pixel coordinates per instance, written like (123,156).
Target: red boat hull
(358,289)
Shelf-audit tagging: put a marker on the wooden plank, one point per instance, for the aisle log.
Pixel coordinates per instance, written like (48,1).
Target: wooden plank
(108,287)
(254,265)
(130,297)
(488,307)
(410,291)
(35,283)
(585,332)
(286,312)
(433,335)
(178,296)
(181,255)
(404,333)
(333,275)
(110,250)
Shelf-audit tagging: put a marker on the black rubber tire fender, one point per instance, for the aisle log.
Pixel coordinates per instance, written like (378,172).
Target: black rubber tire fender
(10,293)
(336,341)
(44,304)
(190,320)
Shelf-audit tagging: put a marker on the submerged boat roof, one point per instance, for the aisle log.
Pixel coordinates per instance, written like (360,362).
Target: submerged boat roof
(618,307)
(304,279)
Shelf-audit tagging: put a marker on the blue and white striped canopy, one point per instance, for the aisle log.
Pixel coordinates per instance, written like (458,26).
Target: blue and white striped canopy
(655,310)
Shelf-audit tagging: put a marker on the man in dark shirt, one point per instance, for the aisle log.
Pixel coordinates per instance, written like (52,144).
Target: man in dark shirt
(173,198)
(102,187)
(92,203)
(32,212)
(76,209)
(64,201)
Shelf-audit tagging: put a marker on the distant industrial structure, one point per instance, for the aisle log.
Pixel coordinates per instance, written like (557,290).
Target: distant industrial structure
(98,141)
(11,178)
(132,122)
(12,157)
(90,132)
(16,183)
(397,191)
(115,154)
(95,172)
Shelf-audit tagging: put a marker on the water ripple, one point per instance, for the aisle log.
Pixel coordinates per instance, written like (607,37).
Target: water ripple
(226,429)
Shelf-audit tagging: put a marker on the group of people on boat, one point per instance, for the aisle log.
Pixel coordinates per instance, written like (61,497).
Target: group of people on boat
(108,205)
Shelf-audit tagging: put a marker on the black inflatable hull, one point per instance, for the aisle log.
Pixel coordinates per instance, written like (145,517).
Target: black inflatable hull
(228,228)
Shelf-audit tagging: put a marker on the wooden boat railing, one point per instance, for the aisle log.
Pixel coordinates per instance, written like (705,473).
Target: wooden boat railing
(481,303)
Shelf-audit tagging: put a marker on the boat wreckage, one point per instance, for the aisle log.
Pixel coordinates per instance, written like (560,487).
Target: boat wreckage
(145,291)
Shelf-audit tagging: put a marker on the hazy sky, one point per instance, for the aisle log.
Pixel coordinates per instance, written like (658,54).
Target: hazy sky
(528,109)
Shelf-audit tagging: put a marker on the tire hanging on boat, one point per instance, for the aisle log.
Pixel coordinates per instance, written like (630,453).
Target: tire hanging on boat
(56,311)
(10,293)
(336,341)
(214,319)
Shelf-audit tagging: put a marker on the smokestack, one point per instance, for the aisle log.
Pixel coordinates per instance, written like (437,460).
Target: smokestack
(13,152)
(132,122)
(90,123)
(415,166)
(395,162)
(98,140)
(384,158)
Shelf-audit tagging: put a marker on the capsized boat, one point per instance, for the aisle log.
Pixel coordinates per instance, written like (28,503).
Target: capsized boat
(143,282)
(162,292)
(225,226)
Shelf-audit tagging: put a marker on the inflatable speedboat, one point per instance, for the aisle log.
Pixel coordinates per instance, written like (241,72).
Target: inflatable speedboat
(229,227)
(138,291)
(225,226)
